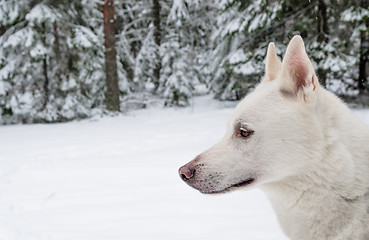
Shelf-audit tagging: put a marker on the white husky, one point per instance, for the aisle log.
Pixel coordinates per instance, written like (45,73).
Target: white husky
(301,145)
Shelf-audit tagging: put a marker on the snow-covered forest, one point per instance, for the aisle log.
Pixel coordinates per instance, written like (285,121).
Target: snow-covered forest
(56,55)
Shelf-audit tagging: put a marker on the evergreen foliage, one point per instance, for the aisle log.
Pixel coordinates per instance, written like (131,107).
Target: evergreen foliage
(52,55)
(47,74)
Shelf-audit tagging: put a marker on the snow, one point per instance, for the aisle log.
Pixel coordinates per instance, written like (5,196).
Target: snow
(116,178)
(8,12)
(246,68)
(2,87)
(41,13)
(38,51)
(85,37)
(23,36)
(238,56)
(255,23)
(353,14)
(178,11)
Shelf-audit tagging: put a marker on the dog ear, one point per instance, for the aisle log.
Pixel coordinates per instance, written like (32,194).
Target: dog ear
(272,63)
(298,76)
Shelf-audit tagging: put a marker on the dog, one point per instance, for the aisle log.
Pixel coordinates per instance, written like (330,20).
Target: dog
(298,143)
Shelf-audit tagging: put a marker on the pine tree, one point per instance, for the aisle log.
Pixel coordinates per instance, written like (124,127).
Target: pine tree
(46,65)
(165,65)
(241,35)
(245,28)
(183,68)
(52,59)
(136,52)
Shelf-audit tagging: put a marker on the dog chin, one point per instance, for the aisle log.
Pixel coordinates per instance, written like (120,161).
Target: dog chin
(242,184)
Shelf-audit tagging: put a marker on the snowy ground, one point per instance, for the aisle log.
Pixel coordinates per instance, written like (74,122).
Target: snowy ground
(116,178)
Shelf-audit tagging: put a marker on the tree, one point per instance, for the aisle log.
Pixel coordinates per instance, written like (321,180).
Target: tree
(184,49)
(157,38)
(51,61)
(137,52)
(354,16)
(244,29)
(62,60)
(241,34)
(112,90)
(364,47)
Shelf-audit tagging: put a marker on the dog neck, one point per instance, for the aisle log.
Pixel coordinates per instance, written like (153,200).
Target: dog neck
(306,207)
(327,200)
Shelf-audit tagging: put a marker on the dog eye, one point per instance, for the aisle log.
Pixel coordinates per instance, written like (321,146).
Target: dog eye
(245,133)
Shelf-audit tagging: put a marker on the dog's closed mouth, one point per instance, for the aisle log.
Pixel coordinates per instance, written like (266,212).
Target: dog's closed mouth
(243,183)
(232,187)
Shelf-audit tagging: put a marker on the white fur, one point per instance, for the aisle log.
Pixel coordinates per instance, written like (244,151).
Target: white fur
(307,152)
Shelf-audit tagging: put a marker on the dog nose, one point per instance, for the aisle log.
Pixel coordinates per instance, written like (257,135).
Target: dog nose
(186,172)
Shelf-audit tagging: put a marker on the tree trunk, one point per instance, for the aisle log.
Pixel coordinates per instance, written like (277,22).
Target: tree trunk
(56,41)
(322,35)
(364,52)
(112,90)
(322,21)
(45,72)
(2,30)
(157,39)
(46,83)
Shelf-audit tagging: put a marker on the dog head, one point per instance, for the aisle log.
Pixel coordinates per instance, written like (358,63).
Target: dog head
(272,133)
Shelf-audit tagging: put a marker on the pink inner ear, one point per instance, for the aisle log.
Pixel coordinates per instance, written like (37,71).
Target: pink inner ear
(298,69)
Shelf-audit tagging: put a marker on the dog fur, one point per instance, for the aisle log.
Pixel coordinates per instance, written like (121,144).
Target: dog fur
(301,145)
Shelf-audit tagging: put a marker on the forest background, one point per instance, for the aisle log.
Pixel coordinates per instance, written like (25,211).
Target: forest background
(62,59)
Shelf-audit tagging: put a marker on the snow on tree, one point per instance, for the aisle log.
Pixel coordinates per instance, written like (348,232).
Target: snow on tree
(46,66)
(183,68)
(240,38)
(244,28)
(358,17)
(52,52)
(136,52)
